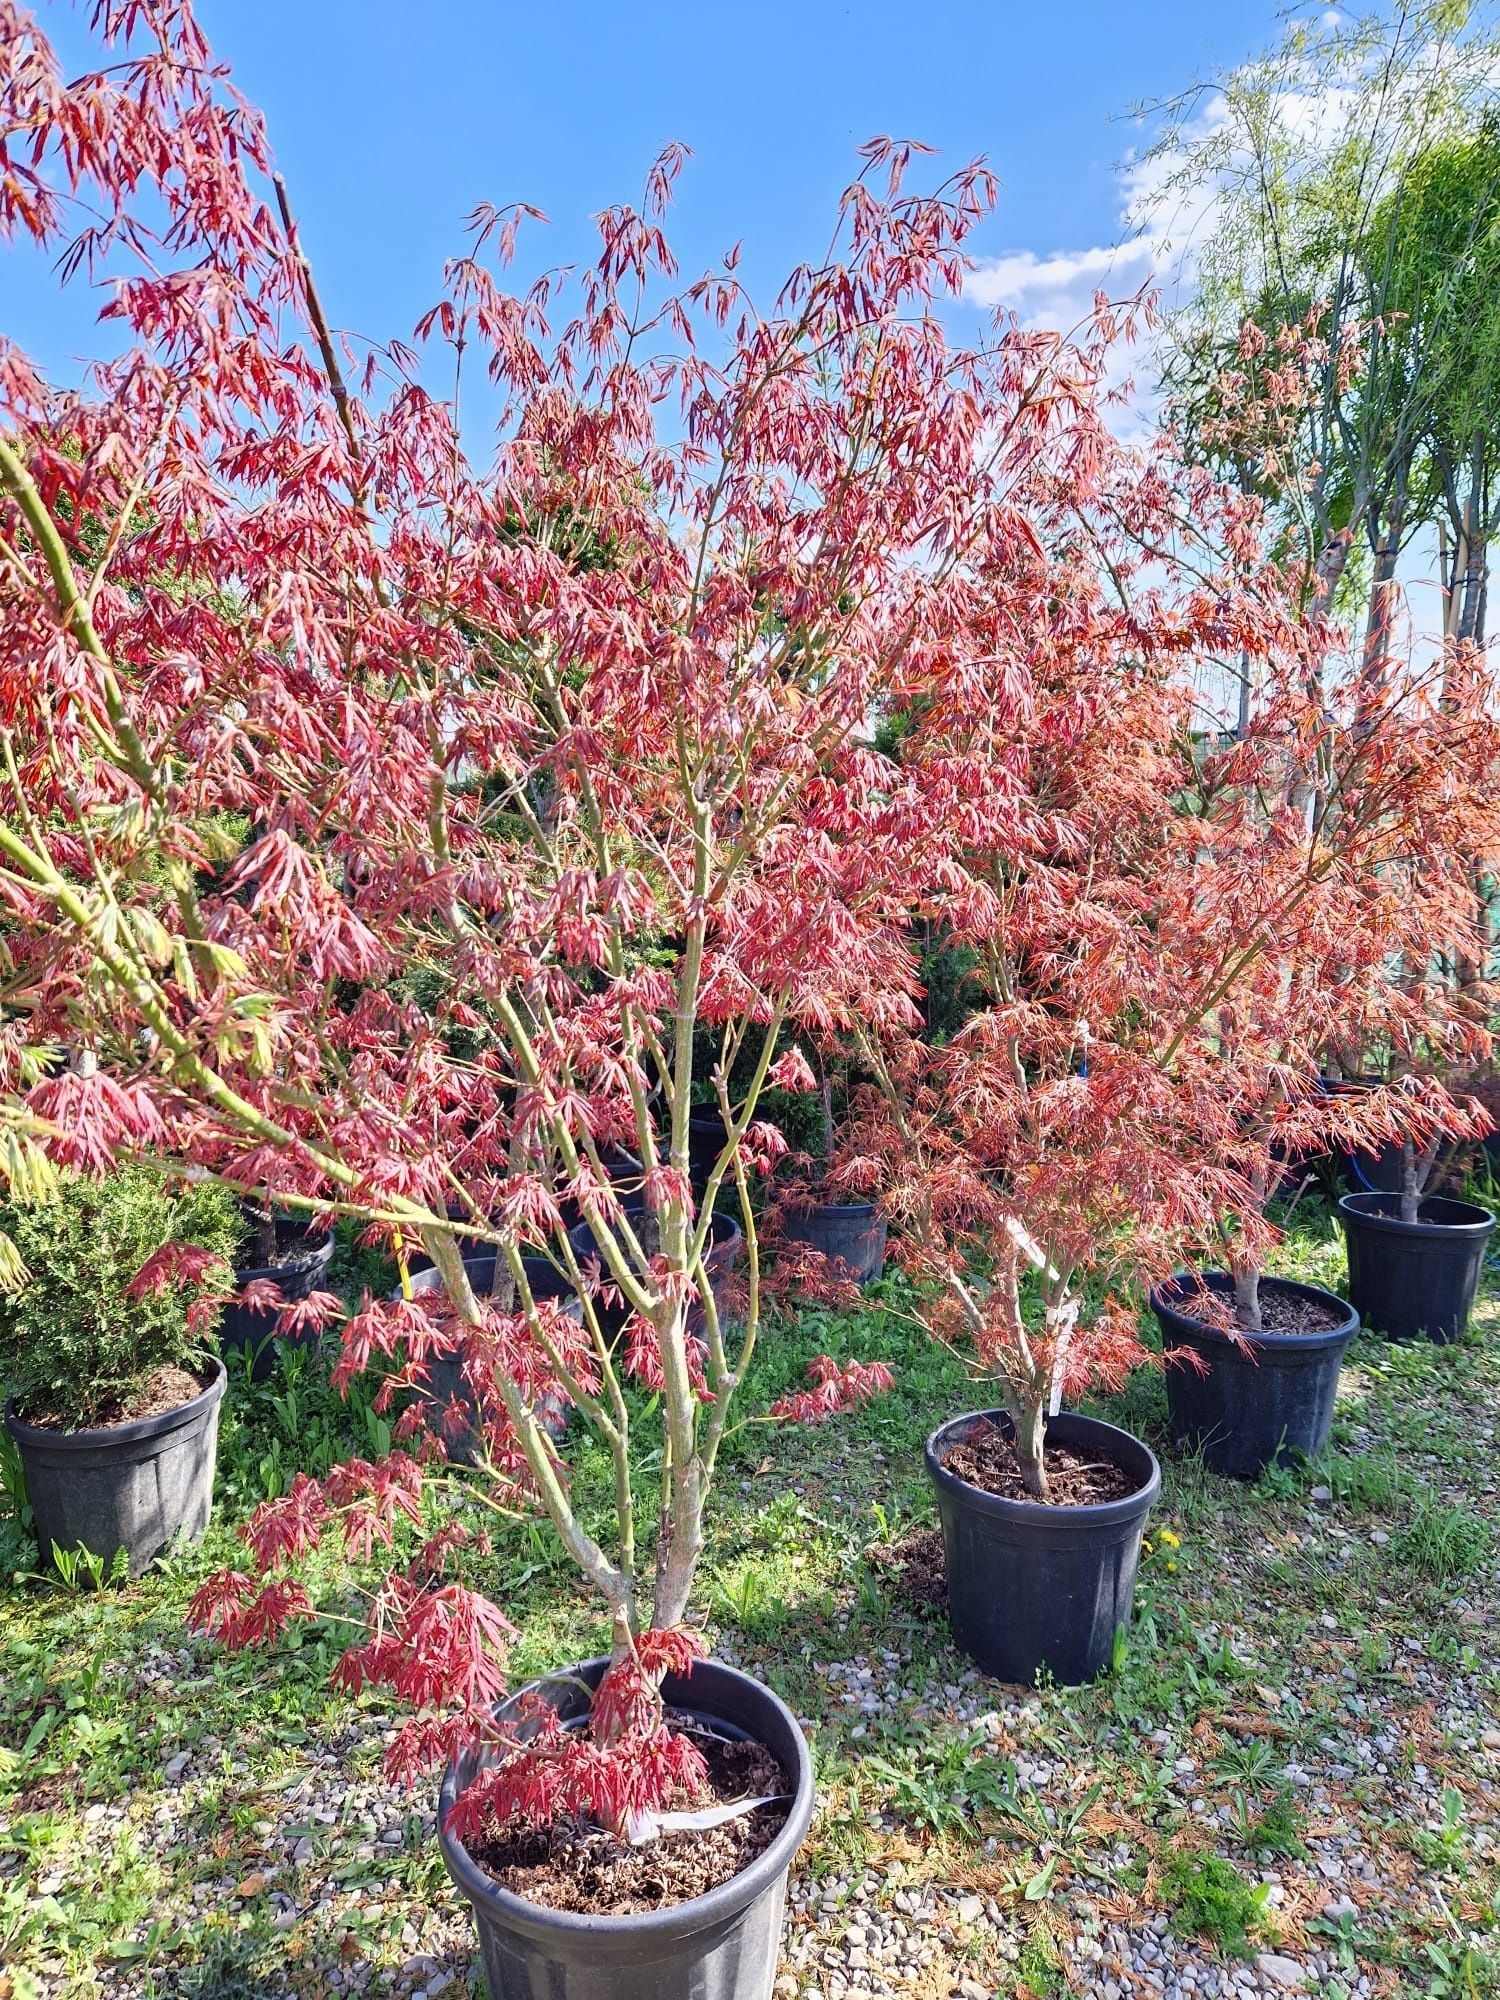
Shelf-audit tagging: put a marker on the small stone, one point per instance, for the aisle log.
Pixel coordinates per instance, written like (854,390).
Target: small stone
(303,1851)
(1321,1493)
(1340,1911)
(251,1886)
(1280,1971)
(1491,1739)
(1379,1537)
(173,1769)
(970,1909)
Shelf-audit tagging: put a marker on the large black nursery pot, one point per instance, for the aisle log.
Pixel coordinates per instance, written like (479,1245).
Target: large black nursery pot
(1260,1397)
(299,1278)
(625,1175)
(445,1374)
(1414,1279)
(850,1234)
(720,1946)
(707,1138)
(1032,1585)
(123,1486)
(726,1243)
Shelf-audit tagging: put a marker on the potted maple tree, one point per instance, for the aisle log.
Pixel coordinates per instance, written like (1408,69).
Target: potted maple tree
(566,744)
(1061,1145)
(1414,1257)
(1339,895)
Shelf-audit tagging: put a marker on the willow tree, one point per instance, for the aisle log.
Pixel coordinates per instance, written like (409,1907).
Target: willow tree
(1313,170)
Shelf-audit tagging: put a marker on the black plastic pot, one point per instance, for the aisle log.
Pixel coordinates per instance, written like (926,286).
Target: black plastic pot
(127,1486)
(707,1138)
(1410,1279)
(299,1278)
(722,1946)
(1033,1586)
(850,1234)
(445,1374)
(1261,1398)
(625,1175)
(725,1245)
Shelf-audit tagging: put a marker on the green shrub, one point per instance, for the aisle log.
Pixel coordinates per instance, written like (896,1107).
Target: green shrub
(73,1342)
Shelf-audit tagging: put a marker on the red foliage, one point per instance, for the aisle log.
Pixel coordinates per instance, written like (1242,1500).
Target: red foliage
(175,1264)
(838,1386)
(582,736)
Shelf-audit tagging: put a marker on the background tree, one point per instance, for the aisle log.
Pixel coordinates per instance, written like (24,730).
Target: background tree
(1309,172)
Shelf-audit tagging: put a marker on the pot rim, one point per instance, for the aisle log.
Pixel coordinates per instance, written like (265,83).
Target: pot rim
(98,1436)
(724,1232)
(1099,1513)
(833,1208)
(1246,1342)
(699,1913)
(1478,1222)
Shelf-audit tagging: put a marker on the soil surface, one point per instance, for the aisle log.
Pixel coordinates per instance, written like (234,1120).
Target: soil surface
(578,1866)
(1280,1312)
(1076,1477)
(916,1567)
(293,1244)
(168,1389)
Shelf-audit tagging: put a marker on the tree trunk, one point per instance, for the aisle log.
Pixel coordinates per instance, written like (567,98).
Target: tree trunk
(1031,1436)
(1381,616)
(264,1250)
(1411,1190)
(1333,559)
(1247,1297)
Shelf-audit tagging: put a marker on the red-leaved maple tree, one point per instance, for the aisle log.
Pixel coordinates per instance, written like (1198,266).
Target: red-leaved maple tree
(379,828)
(1343,873)
(1173,926)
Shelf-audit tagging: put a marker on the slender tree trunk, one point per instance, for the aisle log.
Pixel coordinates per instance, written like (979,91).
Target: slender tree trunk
(1247,1297)
(1381,616)
(1332,562)
(1031,1436)
(1475,580)
(1242,720)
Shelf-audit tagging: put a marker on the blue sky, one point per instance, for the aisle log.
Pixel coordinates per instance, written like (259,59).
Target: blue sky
(391,121)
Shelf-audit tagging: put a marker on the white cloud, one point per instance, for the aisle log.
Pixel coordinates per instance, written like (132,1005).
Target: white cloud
(1154,251)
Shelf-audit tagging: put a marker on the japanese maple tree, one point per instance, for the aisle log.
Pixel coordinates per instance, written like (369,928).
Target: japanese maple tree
(378,827)
(1362,907)
(1167,934)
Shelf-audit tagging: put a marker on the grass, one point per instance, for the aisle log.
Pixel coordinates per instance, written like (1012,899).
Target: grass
(1310,1683)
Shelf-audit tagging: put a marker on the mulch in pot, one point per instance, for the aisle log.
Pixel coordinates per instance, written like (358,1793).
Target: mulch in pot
(1280,1312)
(575,1865)
(1075,1477)
(168,1389)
